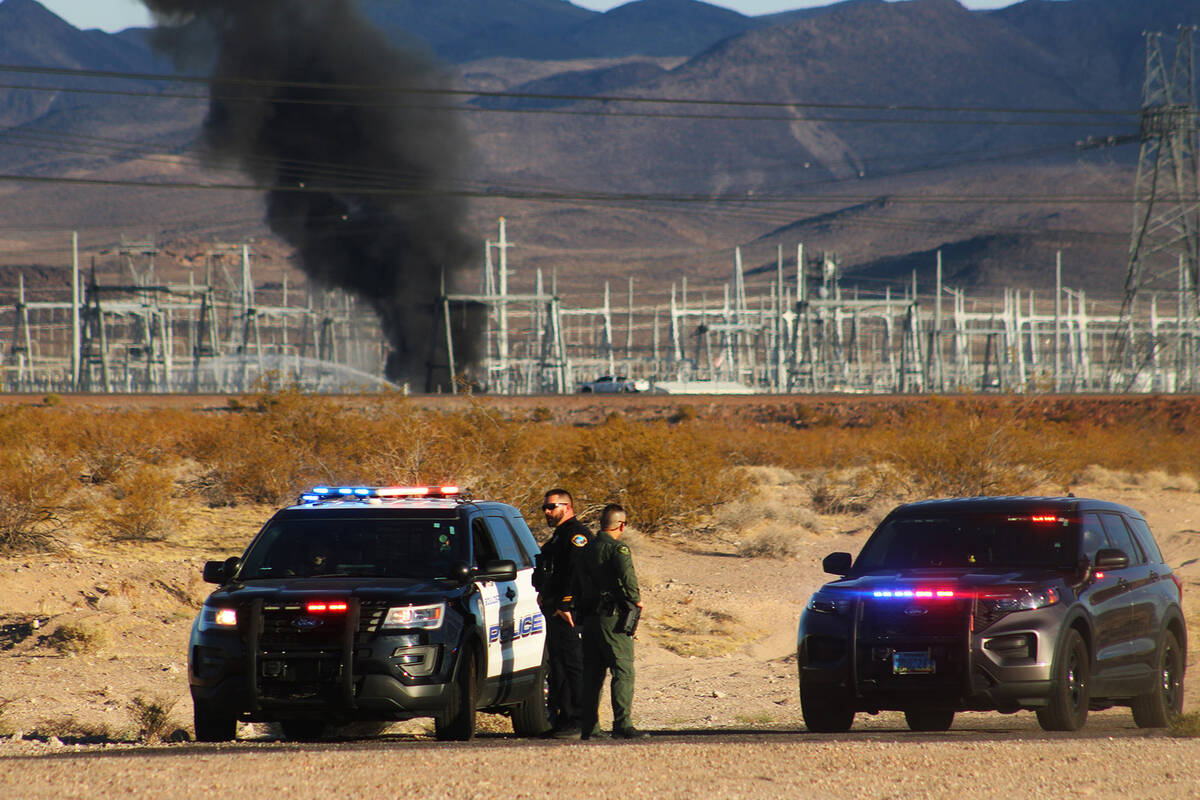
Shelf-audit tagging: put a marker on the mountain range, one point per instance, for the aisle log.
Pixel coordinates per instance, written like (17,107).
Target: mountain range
(882,131)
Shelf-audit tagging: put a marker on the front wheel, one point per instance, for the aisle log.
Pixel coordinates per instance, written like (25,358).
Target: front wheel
(1164,702)
(531,717)
(1067,708)
(824,708)
(456,723)
(925,719)
(213,726)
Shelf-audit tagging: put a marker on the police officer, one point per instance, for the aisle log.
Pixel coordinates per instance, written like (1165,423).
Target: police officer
(606,596)
(552,579)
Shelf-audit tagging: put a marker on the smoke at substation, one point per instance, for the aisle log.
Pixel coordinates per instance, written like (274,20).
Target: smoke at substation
(391,249)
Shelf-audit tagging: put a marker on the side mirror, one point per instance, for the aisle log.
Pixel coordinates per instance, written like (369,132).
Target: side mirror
(461,572)
(837,563)
(219,572)
(1111,558)
(502,569)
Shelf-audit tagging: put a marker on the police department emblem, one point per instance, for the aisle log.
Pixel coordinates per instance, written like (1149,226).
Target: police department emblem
(579,540)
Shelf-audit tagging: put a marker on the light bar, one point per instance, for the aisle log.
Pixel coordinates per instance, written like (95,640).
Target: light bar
(319,493)
(917,594)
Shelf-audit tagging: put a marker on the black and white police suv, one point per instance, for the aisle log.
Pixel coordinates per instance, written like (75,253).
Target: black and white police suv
(373,603)
(1057,605)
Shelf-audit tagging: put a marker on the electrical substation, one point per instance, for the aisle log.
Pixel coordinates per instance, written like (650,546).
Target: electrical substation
(794,329)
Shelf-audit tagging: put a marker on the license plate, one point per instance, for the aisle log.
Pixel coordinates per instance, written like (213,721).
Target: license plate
(912,662)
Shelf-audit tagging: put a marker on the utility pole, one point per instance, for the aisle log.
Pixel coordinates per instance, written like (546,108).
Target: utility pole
(1166,222)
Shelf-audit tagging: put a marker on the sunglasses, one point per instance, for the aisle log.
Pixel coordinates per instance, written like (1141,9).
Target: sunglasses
(551,506)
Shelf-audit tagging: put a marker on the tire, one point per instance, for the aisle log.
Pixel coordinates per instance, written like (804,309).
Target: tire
(1067,708)
(212,726)
(1164,702)
(824,708)
(302,730)
(456,723)
(532,717)
(929,719)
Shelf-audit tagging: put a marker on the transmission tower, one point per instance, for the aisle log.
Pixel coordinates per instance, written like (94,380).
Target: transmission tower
(1166,216)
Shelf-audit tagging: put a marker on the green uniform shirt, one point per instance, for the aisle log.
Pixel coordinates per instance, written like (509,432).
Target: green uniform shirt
(604,574)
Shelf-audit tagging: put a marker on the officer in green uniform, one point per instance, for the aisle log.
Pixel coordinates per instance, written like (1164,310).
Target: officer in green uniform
(606,592)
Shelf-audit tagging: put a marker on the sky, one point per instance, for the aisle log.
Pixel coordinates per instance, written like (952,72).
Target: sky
(117,15)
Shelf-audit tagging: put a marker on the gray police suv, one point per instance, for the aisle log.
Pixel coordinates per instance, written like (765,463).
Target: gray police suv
(1058,605)
(373,603)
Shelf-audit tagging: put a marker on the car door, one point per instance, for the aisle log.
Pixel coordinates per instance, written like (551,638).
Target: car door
(498,597)
(529,629)
(1144,613)
(1105,597)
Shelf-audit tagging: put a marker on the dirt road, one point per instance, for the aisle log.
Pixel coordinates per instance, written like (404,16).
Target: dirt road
(1110,760)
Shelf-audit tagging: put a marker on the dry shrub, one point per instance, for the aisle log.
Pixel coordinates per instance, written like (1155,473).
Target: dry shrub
(143,507)
(32,484)
(849,491)
(151,718)
(946,449)
(78,638)
(662,474)
(688,630)
(774,542)
(1186,725)
(71,729)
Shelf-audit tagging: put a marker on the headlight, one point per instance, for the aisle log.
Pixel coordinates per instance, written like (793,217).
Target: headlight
(428,617)
(1021,600)
(829,604)
(217,618)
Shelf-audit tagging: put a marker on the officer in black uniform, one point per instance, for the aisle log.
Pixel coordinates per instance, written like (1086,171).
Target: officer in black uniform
(552,579)
(607,604)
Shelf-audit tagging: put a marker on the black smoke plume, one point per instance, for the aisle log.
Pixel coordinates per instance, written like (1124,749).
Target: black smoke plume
(308,97)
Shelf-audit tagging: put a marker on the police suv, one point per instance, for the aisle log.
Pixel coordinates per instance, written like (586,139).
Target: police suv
(1057,605)
(373,603)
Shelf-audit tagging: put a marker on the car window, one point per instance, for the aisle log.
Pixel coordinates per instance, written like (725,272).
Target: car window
(376,547)
(969,540)
(1146,539)
(506,541)
(485,548)
(1091,536)
(1118,534)
(525,537)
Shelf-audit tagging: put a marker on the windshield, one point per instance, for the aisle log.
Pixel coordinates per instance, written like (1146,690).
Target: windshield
(391,548)
(970,541)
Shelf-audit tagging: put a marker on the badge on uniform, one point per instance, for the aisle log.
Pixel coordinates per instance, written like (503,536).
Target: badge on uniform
(579,540)
(623,550)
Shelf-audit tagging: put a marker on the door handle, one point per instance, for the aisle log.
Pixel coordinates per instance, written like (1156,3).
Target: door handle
(510,594)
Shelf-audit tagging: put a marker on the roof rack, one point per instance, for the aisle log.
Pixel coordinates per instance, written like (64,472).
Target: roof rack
(319,494)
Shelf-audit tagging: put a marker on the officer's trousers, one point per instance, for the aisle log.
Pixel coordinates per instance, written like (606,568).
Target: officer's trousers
(564,658)
(606,650)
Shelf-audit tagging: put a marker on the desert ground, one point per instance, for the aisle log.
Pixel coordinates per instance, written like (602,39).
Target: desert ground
(93,662)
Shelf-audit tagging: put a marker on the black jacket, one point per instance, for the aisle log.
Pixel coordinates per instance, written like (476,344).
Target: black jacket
(557,563)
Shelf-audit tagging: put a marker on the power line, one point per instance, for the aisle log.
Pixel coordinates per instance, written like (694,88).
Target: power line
(446,92)
(596,197)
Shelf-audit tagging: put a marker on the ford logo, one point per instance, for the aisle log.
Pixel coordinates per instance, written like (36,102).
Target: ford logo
(307,623)
(915,611)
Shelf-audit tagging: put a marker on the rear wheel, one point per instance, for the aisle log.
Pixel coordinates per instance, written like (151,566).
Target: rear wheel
(1159,706)
(456,723)
(213,726)
(825,708)
(925,719)
(302,730)
(531,717)
(1067,708)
